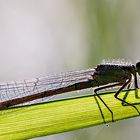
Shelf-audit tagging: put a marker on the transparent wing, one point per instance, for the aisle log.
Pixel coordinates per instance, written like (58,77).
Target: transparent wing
(14,89)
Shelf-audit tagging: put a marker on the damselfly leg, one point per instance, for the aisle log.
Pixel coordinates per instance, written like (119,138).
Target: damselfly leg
(105,87)
(119,91)
(116,95)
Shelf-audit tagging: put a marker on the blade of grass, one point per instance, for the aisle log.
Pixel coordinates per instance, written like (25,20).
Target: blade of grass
(64,115)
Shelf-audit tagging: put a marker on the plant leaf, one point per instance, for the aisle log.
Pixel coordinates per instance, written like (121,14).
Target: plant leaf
(64,115)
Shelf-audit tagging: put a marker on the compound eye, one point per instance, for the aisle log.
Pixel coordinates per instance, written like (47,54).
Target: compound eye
(138,67)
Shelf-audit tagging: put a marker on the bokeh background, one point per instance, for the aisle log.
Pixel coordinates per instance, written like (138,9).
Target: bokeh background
(42,37)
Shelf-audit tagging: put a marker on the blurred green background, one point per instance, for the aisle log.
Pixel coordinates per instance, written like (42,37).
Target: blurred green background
(41,37)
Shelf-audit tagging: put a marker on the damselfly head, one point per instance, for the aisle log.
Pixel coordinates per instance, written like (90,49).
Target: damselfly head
(138,67)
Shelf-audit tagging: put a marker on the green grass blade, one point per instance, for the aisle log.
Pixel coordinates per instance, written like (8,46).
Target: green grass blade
(64,115)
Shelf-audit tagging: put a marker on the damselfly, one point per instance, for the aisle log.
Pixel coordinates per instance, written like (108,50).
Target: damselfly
(103,76)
